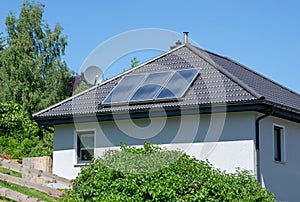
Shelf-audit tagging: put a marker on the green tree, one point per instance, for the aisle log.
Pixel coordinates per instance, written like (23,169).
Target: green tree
(153,174)
(33,73)
(1,44)
(134,62)
(1,49)
(19,136)
(81,87)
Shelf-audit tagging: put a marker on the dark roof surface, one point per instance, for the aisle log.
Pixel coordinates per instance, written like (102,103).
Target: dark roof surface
(271,90)
(221,80)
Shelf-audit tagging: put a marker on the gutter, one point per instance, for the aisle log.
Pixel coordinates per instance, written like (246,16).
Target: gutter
(257,143)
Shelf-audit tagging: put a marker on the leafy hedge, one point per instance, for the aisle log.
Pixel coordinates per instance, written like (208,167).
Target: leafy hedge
(21,137)
(152,174)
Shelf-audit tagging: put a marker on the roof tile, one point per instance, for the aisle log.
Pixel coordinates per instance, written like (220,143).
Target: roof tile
(221,80)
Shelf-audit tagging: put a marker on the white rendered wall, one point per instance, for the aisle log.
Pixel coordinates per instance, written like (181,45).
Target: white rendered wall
(228,156)
(226,146)
(282,179)
(63,164)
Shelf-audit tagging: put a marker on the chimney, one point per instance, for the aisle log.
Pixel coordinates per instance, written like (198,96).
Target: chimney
(186,37)
(178,43)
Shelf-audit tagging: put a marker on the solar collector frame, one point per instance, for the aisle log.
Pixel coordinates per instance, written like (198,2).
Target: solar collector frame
(159,82)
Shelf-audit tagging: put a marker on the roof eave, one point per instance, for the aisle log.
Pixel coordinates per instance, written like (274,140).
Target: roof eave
(258,105)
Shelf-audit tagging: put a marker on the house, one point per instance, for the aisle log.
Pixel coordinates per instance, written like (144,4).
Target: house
(205,104)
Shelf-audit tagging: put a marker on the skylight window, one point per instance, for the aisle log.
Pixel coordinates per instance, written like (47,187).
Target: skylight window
(151,87)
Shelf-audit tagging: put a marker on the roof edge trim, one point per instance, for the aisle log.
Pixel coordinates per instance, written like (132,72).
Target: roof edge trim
(260,106)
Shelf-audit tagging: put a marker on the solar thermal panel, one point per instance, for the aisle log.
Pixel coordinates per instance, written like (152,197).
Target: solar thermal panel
(151,87)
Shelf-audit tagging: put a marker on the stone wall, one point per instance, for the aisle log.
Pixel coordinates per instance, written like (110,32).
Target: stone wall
(43,163)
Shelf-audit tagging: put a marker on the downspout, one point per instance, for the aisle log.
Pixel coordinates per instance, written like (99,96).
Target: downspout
(257,135)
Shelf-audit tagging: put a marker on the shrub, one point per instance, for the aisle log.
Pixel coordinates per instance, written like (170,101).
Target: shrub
(19,136)
(153,174)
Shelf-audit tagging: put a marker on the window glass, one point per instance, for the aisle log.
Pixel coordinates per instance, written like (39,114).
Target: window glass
(85,146)
(279,144)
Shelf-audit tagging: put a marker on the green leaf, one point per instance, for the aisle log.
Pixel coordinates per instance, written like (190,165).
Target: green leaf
(150,173)
(33,72)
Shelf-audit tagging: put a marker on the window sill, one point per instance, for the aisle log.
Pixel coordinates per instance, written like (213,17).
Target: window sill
(83,164)
(280,162)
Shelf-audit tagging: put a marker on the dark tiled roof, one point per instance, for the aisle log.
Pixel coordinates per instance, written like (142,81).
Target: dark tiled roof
(221,80)
(271,90)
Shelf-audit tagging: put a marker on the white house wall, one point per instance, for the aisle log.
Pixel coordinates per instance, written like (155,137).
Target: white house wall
(283,179)
(226,146)
(64,152)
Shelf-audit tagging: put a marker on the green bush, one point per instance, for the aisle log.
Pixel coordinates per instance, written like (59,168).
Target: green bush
(21,137)
(153,174)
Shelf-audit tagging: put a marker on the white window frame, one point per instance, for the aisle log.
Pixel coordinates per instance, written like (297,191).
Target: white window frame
(77,160)
(282,144)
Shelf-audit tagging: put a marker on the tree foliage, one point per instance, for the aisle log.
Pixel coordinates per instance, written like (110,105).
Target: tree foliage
(153,174)
(33,72)
(134,62)
(1,43)
(82,87)
(19,136)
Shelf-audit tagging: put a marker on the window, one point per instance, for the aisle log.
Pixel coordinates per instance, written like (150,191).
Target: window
(85,146)
(279,143)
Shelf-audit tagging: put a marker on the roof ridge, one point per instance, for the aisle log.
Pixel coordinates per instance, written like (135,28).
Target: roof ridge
(111,79)
(258,74)
(197,50)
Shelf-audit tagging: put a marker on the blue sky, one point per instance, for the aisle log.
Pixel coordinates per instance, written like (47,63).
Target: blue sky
(264,35)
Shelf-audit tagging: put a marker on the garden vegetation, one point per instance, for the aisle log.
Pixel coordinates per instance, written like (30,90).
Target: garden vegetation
(154,174)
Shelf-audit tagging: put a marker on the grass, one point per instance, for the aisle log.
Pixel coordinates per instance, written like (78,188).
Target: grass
(10,172)
(3,199)
(27,191)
